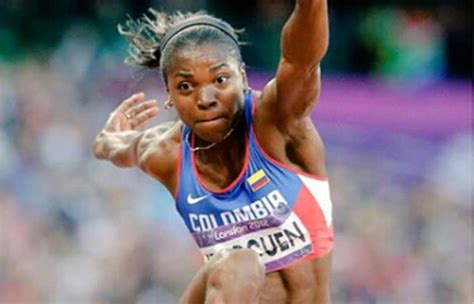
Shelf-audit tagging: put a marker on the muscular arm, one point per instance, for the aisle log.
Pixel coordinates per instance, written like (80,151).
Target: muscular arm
(119,140)
(304,43)
(282,122)
(305,34)
(118,147)
(154,150)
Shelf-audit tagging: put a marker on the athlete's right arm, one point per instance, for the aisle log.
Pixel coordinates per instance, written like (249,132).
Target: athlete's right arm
(120,138)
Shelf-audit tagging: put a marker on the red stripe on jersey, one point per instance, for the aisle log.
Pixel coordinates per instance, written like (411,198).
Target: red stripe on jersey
(311,214)
(262,182)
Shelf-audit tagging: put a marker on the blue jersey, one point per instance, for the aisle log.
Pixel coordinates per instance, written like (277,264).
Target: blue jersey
(282,213)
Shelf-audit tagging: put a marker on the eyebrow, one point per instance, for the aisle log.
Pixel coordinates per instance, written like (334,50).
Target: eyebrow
(218,66)
(183,74)
(213,68)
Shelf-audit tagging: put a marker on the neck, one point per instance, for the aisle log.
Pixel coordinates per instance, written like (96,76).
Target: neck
(211,145)
(228,138)
(220,165)
(233,141)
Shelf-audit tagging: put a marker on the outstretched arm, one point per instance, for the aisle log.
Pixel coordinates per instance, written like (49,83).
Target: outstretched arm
(119,140)
(304,43)
(305,35)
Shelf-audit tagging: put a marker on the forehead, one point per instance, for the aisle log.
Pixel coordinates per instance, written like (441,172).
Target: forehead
(196,56)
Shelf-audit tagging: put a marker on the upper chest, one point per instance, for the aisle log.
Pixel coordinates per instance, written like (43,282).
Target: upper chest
(218,171)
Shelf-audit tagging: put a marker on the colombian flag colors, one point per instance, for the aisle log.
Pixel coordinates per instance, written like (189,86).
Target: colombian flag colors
(258,180)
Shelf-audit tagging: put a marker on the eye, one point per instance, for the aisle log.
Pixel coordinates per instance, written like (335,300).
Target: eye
(184,86)
(221,79)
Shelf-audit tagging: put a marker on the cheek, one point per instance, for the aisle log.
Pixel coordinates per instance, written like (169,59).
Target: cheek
(237,102)
(183,115)
(182,110)
(237,92)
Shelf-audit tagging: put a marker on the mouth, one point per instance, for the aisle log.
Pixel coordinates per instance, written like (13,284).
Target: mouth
(211,120)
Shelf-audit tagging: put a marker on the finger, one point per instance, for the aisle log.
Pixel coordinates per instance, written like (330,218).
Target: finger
(143,118)
(129,102)
(137,109)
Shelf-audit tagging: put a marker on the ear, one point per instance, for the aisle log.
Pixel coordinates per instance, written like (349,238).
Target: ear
(167,86)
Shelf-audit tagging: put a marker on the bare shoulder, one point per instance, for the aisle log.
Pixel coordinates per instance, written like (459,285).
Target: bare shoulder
(265,121)
(158,150)
(294,141)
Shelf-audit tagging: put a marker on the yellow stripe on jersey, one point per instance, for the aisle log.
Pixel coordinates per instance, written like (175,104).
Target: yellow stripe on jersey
(256,177)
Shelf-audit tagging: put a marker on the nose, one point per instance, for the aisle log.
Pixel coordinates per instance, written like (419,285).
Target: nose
(206,98)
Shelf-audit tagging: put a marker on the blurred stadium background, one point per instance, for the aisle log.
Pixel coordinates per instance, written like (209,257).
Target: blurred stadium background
(395,115)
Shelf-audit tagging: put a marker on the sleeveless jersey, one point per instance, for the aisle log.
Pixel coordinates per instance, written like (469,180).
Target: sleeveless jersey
(282,213)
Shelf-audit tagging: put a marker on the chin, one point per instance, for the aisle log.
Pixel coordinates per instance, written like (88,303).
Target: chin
(211,135)
(211,132)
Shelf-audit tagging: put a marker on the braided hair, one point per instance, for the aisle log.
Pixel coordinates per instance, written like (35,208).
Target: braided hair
(151,45)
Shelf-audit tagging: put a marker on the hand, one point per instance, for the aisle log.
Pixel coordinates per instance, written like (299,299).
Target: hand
(132,114)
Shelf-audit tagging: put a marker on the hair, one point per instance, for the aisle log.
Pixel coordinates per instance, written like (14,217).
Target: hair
(145,37)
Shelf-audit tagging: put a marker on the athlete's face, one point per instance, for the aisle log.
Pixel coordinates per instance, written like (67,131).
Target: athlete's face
(206,84)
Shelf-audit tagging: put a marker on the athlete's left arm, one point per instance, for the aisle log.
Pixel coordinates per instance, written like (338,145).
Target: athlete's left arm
(304,42)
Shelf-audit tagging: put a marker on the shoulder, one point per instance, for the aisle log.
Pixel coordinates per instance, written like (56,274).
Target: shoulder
(275,110)
(158,149)
(292,140)
(265,118)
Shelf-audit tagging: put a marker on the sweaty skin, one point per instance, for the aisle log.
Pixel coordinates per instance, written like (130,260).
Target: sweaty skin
(207,87)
